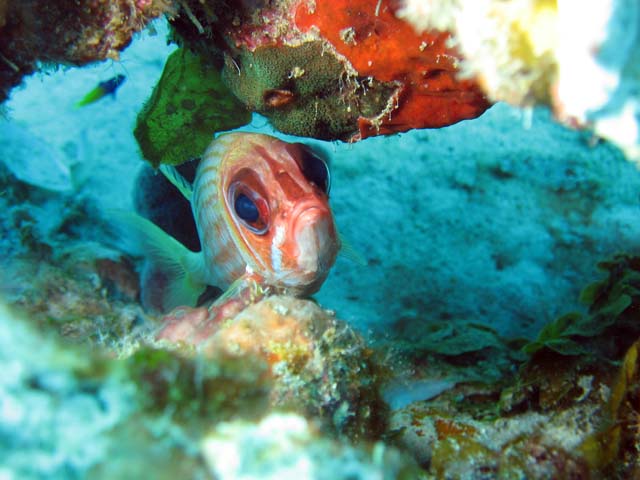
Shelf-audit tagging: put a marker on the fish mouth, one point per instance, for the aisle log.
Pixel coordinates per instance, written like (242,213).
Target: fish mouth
(316,241)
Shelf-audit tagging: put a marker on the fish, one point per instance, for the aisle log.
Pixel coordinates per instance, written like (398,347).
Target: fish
(107,87)
(261,209)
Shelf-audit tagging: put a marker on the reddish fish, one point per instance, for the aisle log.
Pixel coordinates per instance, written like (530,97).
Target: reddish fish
(262,214)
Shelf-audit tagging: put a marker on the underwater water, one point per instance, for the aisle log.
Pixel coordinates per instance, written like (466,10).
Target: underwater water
(473,236)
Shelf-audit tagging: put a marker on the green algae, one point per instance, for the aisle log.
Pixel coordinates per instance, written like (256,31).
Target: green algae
(558,336)
(467,351)
(188,105)
(195,388)
(451,339)
(613,305)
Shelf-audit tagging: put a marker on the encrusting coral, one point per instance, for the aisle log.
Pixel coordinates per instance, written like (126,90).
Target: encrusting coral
(318,364)
(302,91)
(396,65)
(333,70)
(68,33)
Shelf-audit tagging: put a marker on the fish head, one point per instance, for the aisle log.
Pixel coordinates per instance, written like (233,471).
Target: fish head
(276,200)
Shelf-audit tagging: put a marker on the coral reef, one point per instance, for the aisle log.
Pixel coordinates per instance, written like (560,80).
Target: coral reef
(79,411)
(44,32)
(302,91)
(449,393)
(528,52)
(568,412)
(282,353)
(308,67)
(319,364)
(282,387)
(384,66)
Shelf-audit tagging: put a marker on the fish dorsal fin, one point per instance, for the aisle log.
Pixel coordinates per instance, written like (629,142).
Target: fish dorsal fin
(348,251)
(177,180)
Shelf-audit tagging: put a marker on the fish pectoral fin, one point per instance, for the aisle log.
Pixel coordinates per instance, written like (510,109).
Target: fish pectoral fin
(181,290)
(247,289)
(348,251)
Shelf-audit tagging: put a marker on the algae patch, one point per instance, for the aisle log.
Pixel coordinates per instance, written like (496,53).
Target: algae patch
(188,105)
(611,318)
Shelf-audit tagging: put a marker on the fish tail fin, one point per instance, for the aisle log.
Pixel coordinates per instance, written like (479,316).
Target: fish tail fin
(177,180)
(174,274)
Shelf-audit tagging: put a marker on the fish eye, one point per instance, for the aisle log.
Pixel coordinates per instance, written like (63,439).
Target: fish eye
(246,208)
(250,208)
(314,169)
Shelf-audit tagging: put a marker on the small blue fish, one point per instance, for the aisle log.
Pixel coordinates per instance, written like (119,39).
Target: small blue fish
(108,87)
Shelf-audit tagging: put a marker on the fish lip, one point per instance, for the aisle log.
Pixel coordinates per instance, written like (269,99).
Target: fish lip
(313,215)
(316,241)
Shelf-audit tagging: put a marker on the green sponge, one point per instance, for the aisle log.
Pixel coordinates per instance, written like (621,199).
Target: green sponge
(188,105)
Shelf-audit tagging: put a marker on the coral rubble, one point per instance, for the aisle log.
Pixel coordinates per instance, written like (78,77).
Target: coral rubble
(570,411)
